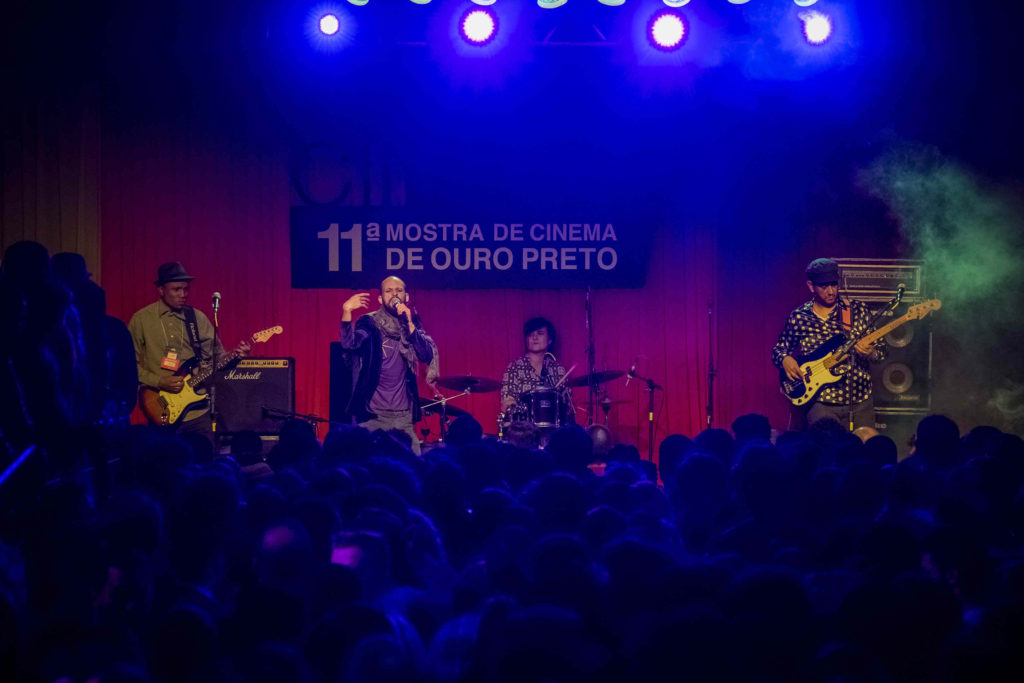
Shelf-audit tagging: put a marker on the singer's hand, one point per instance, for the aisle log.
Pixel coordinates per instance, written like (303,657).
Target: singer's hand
(354,303)
(864,349)
(791,367)
(403,309)
(243,349)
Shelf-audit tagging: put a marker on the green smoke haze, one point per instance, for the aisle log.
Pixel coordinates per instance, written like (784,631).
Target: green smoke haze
(969,232)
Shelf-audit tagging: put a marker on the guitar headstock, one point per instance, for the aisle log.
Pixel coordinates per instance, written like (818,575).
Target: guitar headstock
(924,308)
(264,335)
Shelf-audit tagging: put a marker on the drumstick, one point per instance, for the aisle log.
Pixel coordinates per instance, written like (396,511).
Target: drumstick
(567,373)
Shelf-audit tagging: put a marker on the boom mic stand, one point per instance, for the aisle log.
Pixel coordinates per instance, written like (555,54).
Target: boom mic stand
(712,373)
(651,387)
(213,359)
(591,362)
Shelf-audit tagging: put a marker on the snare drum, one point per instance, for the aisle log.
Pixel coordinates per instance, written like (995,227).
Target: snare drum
(544,407)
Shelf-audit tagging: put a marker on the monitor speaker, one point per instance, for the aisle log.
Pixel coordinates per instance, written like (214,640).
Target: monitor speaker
(254,393)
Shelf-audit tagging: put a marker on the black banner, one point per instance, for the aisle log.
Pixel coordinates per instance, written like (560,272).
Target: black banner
(357,247)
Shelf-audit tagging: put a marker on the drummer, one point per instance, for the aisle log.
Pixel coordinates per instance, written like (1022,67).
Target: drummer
(537,368)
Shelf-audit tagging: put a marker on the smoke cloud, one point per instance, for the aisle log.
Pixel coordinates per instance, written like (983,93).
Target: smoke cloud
(970,234)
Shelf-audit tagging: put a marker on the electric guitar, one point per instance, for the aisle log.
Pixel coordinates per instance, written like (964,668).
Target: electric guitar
(166,408)
(828,363)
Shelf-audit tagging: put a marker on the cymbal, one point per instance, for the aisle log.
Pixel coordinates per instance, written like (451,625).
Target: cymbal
(605,403)
(476,385)
(595,378)
(450,410)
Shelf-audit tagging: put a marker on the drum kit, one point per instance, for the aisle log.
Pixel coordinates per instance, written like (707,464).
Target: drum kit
(542,407)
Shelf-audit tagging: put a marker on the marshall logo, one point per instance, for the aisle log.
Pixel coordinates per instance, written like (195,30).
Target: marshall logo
(235,374)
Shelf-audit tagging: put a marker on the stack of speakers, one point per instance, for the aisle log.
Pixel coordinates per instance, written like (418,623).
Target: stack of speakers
(903,381)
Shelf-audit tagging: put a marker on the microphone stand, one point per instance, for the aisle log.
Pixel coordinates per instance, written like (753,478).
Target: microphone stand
(314,420)
(712,373)
(591,362)
(213,384)
(890,306)
(651,387)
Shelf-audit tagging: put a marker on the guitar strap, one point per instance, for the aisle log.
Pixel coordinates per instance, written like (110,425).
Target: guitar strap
(192,329)
(847,324)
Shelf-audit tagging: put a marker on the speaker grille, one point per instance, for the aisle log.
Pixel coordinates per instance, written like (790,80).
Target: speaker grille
(246,390)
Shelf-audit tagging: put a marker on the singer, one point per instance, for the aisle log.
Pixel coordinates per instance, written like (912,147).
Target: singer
(383,349)
(166,334)
(812,324)
(535,369)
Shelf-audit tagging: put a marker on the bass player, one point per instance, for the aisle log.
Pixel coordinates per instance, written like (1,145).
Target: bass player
(816,322)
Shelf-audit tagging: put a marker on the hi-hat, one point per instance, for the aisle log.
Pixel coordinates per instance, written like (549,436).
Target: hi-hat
(449,409)
(474,385)
(606,402)
(595,378)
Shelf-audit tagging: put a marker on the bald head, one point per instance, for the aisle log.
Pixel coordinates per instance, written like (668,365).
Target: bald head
(392,288)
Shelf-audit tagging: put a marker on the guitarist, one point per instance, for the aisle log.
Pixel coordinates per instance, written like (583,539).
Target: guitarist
(815,322)
(168,333)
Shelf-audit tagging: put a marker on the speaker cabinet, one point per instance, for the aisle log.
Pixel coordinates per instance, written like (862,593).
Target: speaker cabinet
(251,392)
(903,381)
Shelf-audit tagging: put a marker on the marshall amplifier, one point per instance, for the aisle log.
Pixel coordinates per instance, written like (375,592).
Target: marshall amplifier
(247,390)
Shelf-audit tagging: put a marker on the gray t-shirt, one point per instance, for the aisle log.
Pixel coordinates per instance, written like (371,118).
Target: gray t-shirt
(391,393)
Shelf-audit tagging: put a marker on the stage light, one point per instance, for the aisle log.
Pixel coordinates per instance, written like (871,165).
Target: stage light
(483,2)
(478,26)
(667,30)
(676,3)
(817,27)
(358,2)
(611,3)
(550,4)
(805,3)
(329,24)
(739,2)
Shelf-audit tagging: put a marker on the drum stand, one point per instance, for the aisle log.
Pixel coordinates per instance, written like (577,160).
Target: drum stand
(444,412)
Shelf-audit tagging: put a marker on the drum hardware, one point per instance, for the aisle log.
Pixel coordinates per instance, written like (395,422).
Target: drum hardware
(444,411)
(469,384)
(595,378)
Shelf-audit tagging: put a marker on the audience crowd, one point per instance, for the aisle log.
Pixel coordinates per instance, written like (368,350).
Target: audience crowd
(817,557)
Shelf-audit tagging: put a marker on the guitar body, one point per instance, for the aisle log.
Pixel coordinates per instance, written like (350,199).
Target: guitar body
(822,366)
(165,408)
(813,372)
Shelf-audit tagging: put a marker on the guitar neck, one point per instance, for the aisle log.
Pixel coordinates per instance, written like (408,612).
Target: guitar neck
(887,328)
(203,373)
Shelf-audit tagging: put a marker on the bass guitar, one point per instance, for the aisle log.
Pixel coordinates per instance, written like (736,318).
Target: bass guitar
(828,363)
(166,408)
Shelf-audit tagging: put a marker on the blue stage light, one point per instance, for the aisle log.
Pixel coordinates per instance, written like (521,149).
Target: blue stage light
(478,26)
(667,30)
(329,24)
(817,27)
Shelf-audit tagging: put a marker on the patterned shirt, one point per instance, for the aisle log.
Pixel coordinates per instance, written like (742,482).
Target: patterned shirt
(520,377)
(805,331)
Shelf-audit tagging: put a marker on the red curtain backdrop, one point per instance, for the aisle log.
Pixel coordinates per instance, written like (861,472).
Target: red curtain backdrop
(132,189)
(221,208)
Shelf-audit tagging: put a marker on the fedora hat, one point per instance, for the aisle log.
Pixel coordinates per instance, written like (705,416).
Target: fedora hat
(171,272)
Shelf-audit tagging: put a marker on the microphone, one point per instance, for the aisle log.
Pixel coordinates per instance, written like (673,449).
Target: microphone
(900,288)
(394,304)
(216,301)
